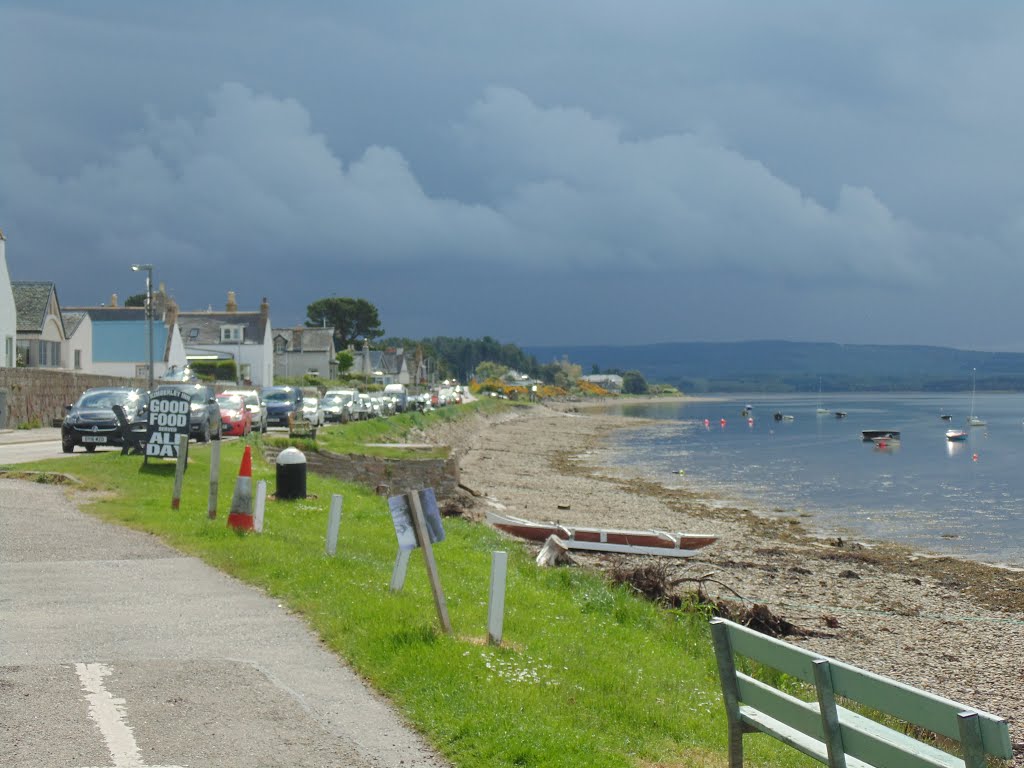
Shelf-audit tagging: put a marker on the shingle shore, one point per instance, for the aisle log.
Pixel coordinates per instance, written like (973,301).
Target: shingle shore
(952,627)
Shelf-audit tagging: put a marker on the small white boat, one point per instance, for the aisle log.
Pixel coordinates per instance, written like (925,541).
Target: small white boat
(974,421)
(956,435)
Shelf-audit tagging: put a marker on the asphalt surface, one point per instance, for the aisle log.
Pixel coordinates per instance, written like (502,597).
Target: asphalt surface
(119,652)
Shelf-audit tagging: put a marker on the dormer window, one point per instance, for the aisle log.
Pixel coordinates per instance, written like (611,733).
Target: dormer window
(232,333)
(193,334)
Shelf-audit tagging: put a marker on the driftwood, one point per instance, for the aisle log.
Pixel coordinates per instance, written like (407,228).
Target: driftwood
(554,552)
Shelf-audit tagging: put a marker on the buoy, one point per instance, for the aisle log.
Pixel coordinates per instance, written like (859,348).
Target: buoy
(974,457)
(240,516)
(722,422)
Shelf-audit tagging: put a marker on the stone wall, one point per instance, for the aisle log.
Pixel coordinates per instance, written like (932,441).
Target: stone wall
(387,476)
(38,395)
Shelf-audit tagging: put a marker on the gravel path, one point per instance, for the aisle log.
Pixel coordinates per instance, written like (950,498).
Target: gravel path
(951,627)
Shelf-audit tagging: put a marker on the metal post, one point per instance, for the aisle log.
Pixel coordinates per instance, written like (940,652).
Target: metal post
(333,525)
(496,604)
(148,269)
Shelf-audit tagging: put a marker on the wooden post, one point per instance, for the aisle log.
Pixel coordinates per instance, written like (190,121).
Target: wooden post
(179,472)
(423,538)
(496,604)
(969,725)
(333,525)
(260,506)
(398,573)
(211,511)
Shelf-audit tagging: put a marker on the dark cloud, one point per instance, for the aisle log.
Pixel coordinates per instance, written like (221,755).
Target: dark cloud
(683,173)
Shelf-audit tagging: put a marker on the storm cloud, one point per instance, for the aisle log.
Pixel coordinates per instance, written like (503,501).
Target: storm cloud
(673,174)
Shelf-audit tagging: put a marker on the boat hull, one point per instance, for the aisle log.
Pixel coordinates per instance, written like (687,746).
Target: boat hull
(603,539)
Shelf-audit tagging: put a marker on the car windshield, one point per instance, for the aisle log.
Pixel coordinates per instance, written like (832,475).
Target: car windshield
(309,402)
(277,397)
(230,402)
(108,399)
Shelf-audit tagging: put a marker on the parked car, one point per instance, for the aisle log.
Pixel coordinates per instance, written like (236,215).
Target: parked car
(313,411)
(335,408)
(204,412)
(90,421)
(282,403)
(400,395)
(251,398)
(365,406)
(349,398)
(235,417)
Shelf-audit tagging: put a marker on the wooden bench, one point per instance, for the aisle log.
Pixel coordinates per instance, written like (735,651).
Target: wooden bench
(833,734)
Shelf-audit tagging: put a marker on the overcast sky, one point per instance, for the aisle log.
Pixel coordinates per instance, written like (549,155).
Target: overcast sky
(545,173)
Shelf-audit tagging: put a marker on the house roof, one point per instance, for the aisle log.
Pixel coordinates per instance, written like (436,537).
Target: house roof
(112,314)
(31,300)
(303,339)
(71,321)
(207,326)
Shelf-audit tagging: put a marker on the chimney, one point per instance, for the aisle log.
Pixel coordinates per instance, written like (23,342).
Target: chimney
(171,313)
(232,305)
(264,310)
(113,299)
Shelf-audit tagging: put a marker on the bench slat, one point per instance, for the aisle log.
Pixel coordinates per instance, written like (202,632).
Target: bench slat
(791,736)
(921,708)
(787,709)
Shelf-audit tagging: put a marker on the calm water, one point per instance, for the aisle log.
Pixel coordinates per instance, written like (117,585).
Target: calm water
(959,498)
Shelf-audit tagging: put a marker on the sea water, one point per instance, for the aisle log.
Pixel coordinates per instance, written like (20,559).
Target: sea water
(959,498)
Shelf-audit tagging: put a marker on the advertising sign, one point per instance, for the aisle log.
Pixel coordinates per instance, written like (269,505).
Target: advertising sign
(168,418)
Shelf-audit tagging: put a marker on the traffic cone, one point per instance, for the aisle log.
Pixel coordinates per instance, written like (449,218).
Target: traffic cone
(241,500)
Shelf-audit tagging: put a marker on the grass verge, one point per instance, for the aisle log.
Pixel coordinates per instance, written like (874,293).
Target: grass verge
(588,674)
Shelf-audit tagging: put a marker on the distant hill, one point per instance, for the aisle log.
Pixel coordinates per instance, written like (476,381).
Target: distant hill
(787,366)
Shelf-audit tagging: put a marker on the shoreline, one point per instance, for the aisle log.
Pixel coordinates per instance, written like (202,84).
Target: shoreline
(870,603)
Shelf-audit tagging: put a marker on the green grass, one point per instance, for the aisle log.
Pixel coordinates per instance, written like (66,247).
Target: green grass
(588,675)
(359,436)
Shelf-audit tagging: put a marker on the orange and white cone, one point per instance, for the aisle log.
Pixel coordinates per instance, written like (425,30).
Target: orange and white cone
(241,500)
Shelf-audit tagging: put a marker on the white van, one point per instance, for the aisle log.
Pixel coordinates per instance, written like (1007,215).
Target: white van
(400,394)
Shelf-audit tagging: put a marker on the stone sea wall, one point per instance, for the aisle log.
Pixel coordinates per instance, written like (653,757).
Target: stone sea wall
(386,476)
(38,395)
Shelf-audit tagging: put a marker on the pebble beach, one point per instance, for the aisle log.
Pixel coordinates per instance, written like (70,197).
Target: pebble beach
(949,626)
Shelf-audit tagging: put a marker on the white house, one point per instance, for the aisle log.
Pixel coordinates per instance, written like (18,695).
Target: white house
(40,333)
(244,337)
(298,351)
(8,314)
(78,347)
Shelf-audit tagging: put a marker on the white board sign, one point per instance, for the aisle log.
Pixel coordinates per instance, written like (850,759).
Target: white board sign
(401,516)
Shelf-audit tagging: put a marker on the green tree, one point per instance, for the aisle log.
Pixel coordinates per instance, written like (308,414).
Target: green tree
(136,300)
(488,370)
(345,360)
(634,383)
(350,318)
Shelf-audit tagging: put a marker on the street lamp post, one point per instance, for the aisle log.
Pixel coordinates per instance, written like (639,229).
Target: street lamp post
(149,312)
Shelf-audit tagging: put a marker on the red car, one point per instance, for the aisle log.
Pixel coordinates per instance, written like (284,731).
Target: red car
(236,418)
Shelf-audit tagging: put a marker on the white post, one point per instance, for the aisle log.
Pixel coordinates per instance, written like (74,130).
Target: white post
(211,511)
(261,503)
(496,604)
(179,471)
(333,525)
(401,566)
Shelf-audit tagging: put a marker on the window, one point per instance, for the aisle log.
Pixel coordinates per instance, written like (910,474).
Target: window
(193,334)
(231,333)
(78,359)
(9,352)
(280,345)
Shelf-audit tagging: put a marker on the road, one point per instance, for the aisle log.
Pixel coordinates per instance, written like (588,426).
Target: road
(119,652)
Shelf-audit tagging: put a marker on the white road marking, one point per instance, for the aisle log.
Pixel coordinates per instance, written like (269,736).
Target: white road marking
(109,714)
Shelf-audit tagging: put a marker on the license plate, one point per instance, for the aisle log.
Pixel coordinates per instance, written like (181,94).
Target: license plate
(94,438)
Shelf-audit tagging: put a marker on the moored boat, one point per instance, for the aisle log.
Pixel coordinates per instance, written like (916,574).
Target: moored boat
(956,435)
(652,542)
(888,434)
